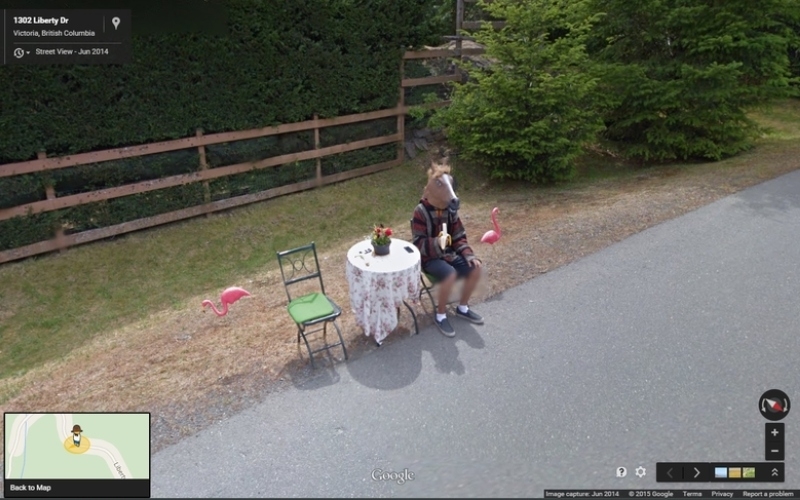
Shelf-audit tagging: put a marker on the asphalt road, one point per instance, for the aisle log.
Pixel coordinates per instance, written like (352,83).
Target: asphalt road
(654,349)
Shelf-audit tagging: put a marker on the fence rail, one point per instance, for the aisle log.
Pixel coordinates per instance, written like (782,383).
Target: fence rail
(204,173)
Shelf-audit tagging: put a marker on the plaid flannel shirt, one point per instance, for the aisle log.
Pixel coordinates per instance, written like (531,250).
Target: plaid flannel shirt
(426,226)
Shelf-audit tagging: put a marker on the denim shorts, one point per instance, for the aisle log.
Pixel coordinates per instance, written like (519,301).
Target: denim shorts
(441,269)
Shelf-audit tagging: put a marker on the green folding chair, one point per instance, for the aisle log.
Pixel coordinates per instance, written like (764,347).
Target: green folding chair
(310,309)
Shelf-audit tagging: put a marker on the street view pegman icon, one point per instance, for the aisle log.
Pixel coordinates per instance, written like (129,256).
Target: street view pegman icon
(76,443)
(76,435)
(774,405)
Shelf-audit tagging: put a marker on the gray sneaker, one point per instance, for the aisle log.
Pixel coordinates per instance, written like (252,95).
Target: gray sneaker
(470,316)
(445,327)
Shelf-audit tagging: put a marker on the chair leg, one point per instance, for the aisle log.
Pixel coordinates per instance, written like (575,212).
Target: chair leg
(413,315)
(430,296)
(341,339)
(310,354)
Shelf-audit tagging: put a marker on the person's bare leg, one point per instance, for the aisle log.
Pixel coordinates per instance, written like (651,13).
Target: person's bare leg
(445,287)
(469,285)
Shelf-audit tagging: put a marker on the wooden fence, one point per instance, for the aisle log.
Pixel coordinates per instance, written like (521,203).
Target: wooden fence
(204,174)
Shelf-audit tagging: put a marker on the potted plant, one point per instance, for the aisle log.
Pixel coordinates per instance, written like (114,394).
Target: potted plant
(381,240)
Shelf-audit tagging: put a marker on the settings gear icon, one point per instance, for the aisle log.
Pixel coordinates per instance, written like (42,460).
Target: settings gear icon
(641,471)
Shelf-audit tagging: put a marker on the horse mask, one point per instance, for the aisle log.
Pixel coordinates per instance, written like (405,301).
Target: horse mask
(440,190)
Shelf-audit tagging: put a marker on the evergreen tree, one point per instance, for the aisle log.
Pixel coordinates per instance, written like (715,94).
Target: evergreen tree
(528,115)
(683,73)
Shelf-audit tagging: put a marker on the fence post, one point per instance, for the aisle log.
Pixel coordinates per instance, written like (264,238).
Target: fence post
(51,195)
(316,146)
(201,151)
(401,112)
(459,23)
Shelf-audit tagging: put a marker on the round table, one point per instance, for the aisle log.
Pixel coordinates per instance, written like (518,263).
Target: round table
(380,284)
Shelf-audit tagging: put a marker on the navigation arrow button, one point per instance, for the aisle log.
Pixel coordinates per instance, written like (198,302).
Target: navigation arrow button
(696,472)
(669,472)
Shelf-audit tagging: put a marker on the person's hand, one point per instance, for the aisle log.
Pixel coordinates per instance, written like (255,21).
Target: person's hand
(475,263)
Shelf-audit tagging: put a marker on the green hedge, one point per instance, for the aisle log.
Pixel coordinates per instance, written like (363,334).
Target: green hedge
(94,176)
(341,134)
(281,62)
(21,189)
(261,180)
(358,159)
(128,208)
(220,155)
(21,231)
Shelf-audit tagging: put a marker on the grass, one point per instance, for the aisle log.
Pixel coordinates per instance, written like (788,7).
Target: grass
(55,304)
(782,120)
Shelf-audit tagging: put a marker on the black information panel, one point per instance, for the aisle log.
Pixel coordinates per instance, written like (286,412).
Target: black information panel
(76,488)
(724,472)
(675,493)
(74,36)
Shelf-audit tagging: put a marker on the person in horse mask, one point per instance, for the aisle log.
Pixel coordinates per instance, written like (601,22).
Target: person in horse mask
(436,222)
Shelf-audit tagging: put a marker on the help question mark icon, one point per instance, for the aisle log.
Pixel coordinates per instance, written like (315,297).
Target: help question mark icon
(622,472)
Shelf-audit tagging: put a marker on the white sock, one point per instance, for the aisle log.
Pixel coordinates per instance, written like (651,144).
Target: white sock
(440,317)
(463,309)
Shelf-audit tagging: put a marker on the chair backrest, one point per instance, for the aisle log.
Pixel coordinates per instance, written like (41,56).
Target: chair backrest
(297,266)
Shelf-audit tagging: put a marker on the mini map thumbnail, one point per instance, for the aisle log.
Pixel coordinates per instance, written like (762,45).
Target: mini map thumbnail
(77,446)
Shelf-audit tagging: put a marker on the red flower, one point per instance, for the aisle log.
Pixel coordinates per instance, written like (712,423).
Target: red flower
(381,235)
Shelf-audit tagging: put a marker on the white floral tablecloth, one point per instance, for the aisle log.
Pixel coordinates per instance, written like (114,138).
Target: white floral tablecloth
(380,283)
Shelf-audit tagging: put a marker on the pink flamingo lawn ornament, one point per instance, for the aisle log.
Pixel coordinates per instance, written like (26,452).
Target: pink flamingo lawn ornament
(229,296)
(492,236)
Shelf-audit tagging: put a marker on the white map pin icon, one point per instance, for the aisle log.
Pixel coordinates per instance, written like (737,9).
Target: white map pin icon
(115,22)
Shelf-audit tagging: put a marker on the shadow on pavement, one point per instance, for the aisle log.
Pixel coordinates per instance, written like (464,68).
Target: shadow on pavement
(397,363)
